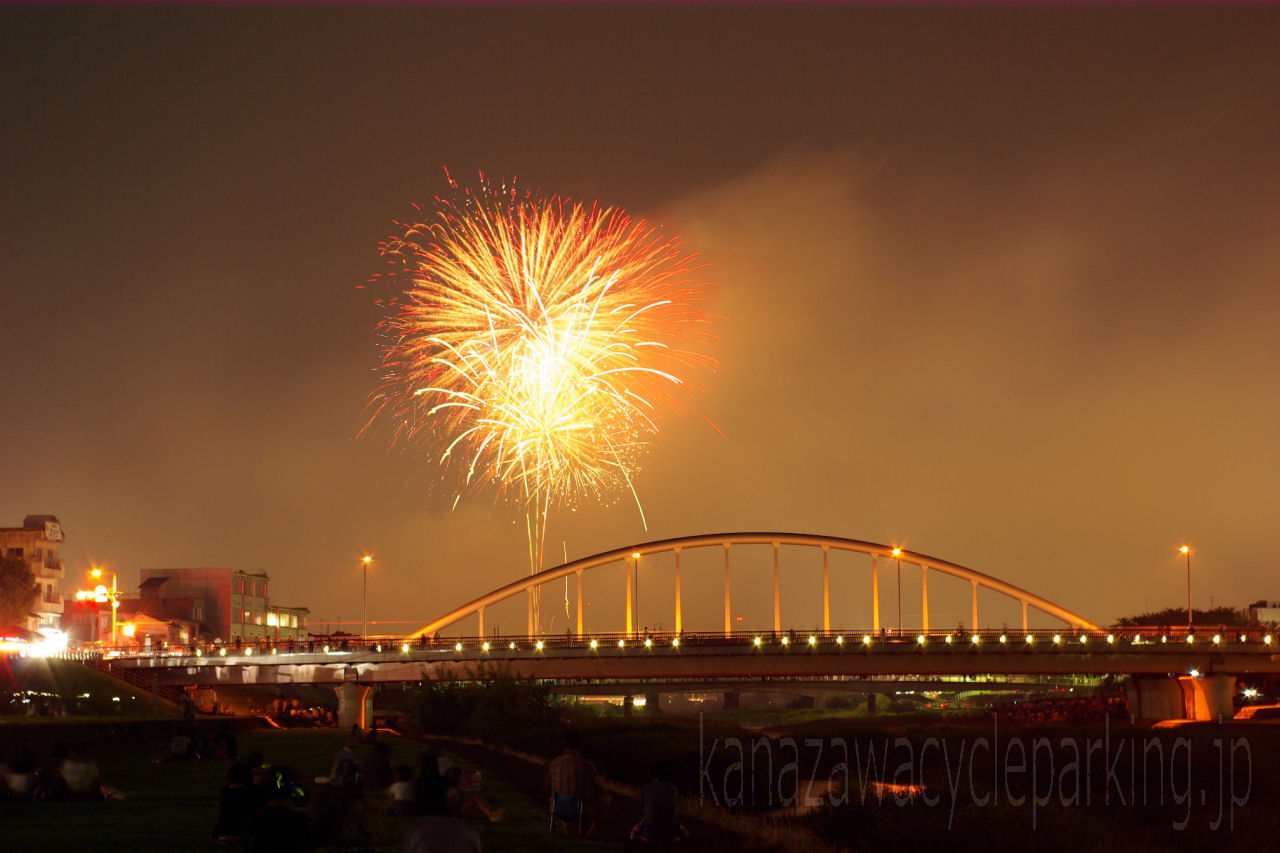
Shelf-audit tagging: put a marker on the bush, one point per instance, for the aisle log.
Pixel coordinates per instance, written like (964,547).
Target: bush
(496,710)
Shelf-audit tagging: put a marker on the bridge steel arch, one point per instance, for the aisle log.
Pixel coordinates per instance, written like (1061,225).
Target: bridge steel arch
(630,555)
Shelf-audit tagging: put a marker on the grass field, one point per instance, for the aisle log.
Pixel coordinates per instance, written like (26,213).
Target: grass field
(172,806)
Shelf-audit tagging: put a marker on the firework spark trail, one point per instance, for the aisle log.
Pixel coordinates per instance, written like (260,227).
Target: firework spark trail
(534,344)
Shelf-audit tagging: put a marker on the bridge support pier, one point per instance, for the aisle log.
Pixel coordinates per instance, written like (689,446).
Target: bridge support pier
(1204,699)
(1213,697)
(355,705)
(652,703)
(730,700)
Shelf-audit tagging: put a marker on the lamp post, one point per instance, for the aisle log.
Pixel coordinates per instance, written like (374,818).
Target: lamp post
(365,561)
(1186,549)
(115,601)
(897,555)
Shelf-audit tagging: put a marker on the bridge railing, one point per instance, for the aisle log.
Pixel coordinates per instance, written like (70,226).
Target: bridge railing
(1251,638)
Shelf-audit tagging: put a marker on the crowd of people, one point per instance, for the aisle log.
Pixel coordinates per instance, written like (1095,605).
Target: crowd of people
(262,806)
(1066,709)
(346,804)
(291,714)
(65,774)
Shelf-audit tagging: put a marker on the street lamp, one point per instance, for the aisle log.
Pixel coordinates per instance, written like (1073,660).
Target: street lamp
(1186,549)
(115,601)
(897,555)
(365,561)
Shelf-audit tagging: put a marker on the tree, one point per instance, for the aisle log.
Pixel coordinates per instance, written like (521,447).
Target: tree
(18,590)
(1178,616)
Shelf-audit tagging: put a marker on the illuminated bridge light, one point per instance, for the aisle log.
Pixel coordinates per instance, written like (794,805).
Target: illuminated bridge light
(840,641)
(622,644)
(1030,639)
(756,641)
(1111,638)
(457,647)
(199,653)
(866,639)
(1083,639)
(223,651)
(648,643)
(1191,638)
(485,645)
(379,647)
(249,650)
(1195,673)
(813,641)
(1003,638)
(948,638)
(594,644)
(1216,639)
(785,641)
(1057,639)
(920,639)
(512,645)
(404,648)
(1164,638)
(326,650)
(675,642)
(976,639)
(538,645)
(1267,639)
(273,650)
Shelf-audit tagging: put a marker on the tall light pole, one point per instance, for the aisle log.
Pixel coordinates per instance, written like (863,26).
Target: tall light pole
(365,561)
(897,555)
(115,602)
(1186,549)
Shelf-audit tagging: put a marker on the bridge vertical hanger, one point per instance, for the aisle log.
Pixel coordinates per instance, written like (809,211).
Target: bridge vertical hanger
(579,573)
(728,620)
(531,589)
(631,614)
(777,593)
(826,589)
(1024,616)
(924,597)
(875,595)
(974,623)
(679,618)
(480,615)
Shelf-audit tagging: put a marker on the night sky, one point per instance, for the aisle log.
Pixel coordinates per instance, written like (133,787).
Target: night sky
(998,283)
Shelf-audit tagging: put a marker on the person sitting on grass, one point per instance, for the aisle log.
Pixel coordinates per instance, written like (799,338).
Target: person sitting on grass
(80,775)
(658,800)
(428,788)
(464,800)
(278,828)
(443,834)
(402,796)
(237,800)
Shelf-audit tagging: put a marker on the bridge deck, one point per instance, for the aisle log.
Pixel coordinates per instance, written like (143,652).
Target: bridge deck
(831,657)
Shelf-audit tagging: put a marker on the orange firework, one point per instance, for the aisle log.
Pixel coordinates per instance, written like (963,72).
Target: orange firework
(535,343)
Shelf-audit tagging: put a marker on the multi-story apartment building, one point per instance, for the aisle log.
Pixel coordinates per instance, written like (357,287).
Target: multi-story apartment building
(236,604)
(37,541)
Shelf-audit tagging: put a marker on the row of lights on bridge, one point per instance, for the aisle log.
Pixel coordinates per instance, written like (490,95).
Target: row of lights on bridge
(758,642)
(867,640)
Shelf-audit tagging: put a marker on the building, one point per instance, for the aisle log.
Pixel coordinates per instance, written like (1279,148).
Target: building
(1264,612)
(37,541)
(230,605)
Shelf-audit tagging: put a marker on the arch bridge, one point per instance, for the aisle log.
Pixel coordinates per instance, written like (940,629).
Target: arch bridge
(632,555)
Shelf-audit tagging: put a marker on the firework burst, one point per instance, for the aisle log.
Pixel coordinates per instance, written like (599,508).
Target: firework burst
(534,344)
